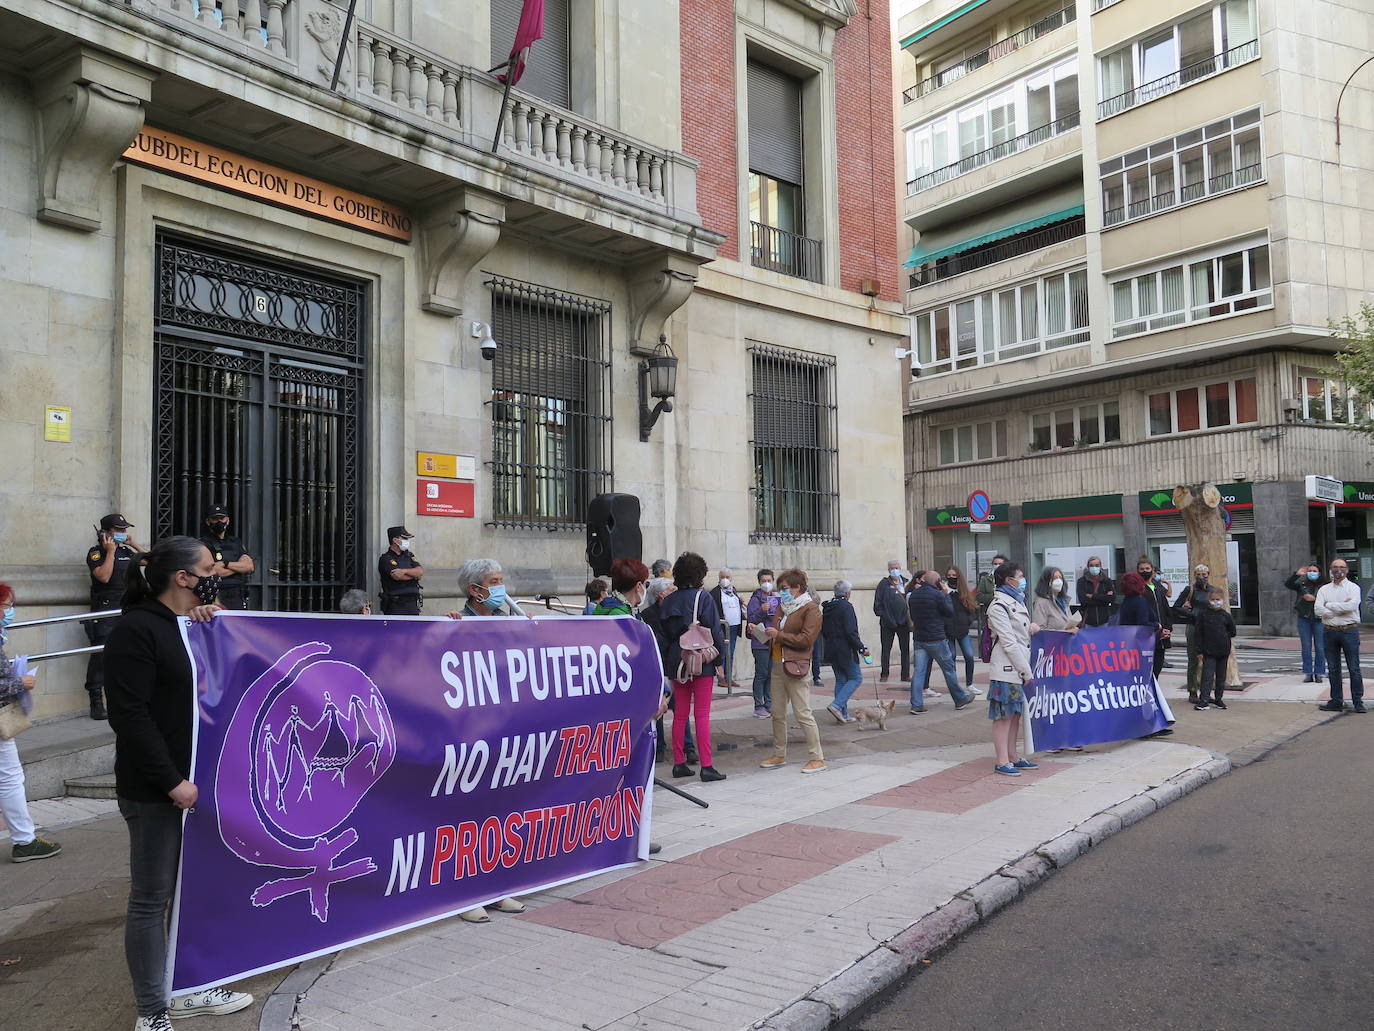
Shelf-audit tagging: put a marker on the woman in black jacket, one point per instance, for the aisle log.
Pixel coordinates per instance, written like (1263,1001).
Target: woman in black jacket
(959,625)
(151,698)
(1096,594)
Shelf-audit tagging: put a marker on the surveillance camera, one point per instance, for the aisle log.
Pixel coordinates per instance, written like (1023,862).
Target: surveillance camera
(488,348)
(481,332)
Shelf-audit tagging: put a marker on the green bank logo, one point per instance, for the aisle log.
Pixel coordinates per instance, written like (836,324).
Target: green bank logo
(943,518)
(1160,499)
(1349,491)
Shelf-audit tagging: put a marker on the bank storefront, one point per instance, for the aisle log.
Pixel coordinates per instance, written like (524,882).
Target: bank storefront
(1167,544)
(1354,526)
(953,543)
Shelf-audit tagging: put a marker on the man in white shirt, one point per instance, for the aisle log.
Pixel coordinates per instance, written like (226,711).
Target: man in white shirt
(1338,607)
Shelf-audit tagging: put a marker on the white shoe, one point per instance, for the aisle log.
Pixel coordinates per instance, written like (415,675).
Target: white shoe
(211,1002)
(509,905)
(475,916)
(155,1023)
(975,691)
(932,694)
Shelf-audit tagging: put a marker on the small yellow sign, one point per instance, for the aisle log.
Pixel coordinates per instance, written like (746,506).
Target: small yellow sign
(57,423)
(446,467)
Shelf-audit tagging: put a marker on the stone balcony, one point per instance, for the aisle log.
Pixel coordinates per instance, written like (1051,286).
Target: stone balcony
(403,124)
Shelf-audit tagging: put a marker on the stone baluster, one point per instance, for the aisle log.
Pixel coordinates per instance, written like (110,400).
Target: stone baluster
(363,62)
(618,169)
(643,176)
(434,90)
(229,18)
(564,143)
(381,69)
(656,177)
(400,76)
(579,149)
(550,138)
(451,98)
(607,159)
(207,14)
(417,84)
(521,126)
(276,28)
(252,22)
(594,154)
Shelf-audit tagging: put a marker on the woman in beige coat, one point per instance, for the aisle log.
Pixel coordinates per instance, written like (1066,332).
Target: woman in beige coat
(1010,667)
(792,635)
(1051,608)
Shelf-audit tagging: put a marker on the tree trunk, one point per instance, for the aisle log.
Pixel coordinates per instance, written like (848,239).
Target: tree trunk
(1200,506)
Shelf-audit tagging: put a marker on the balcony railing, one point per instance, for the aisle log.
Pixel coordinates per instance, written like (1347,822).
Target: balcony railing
(998,50)
(1217,184)
(1099,5)
(780,251)
(998,250)
(995,153)
(1185,76)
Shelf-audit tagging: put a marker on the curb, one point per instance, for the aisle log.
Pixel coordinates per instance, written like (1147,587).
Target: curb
(834,1000)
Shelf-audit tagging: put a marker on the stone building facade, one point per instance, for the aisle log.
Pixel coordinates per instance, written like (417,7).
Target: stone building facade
(247,287)
(1129,225)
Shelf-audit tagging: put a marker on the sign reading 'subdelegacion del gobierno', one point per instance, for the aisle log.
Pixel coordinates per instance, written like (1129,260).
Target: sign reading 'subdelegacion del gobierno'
(179,155)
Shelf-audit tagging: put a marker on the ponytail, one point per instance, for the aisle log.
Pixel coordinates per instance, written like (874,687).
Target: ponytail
(151,573)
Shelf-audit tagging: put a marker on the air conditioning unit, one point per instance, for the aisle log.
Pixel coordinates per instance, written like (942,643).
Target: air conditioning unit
(870,287)
(1290,404)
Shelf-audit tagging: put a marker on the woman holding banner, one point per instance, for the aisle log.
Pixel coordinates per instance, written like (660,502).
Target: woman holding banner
(151,697)
(1010,666)
(1051,608)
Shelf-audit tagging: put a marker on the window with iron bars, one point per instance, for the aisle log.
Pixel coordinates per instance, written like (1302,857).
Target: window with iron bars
(795,446)
(550,405)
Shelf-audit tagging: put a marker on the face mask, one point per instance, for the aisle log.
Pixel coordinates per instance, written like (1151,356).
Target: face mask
(1216,603)
(766,586)
(1147,576)
(219,526)
(120,538)
(1314,575)
(786,596)
(404,545)
(725,582)
(7,617)
(1057,585)
(896,574)
(1095,570)
(496,598)
(1338,574)
(206,588)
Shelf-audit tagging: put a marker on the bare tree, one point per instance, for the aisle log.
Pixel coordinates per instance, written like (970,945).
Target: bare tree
(1200,506)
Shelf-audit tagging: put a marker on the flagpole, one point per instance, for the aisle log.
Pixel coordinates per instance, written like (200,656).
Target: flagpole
(343,42)
(505,96)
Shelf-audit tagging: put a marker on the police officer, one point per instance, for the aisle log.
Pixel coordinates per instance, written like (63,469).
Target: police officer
(232,563)
(108,564)
(400,573)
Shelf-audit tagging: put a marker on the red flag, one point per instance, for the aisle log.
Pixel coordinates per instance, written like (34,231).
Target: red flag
(531,28)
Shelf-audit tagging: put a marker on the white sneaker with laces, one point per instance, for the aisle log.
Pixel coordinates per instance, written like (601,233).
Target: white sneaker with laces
(211,1002)
(159,1022)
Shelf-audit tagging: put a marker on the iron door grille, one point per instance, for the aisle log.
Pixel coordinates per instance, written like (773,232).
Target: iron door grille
(550,405)
(259,407)
(795,446)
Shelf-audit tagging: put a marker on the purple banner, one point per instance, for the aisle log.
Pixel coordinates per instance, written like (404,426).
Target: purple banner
(1091,687)
(360,775)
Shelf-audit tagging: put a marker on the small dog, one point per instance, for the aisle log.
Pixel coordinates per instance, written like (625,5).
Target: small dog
(877,714)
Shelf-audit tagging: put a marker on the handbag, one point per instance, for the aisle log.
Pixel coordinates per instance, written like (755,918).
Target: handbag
(13,720)
(697,646)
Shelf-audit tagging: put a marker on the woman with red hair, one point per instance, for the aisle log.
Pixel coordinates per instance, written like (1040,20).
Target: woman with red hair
(629,580)
(25,844)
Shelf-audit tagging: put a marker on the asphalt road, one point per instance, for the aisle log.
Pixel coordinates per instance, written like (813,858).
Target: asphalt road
(1242,906)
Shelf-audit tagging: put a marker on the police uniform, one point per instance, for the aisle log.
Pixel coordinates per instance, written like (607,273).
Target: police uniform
(104,596)
(233,590)
(399,597)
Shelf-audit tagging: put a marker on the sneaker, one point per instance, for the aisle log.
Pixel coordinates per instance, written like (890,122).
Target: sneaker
(1309,679)
(157,1022)
(773,762)
(1219,704)
(1026,764)
(815,766)
(682,770)
(1201,707)
(816,683)
(916,710)
(1007,770)
(1332,706)
(38,848)
(98,710)
(975,691)
(964,704)
(710,773)
(931,694)
(655,848)
(1357,707)
(212,1001)
(883,678)
(762,712)
(834,710)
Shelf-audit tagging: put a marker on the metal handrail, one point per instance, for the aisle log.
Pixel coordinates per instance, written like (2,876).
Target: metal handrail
(75,617)
(786,252)
(994,153)
(994,52)
(1185,76)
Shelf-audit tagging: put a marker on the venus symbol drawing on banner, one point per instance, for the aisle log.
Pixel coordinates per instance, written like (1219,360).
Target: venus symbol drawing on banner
(307,741)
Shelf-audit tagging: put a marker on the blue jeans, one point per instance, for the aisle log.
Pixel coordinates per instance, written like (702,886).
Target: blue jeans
(1345,642)
(940,651)
(847,679)
(727,667)
(1312,634)
(965,645)
(763,678)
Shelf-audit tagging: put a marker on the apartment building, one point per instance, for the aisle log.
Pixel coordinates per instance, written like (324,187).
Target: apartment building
(1129,225)
(414,297)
